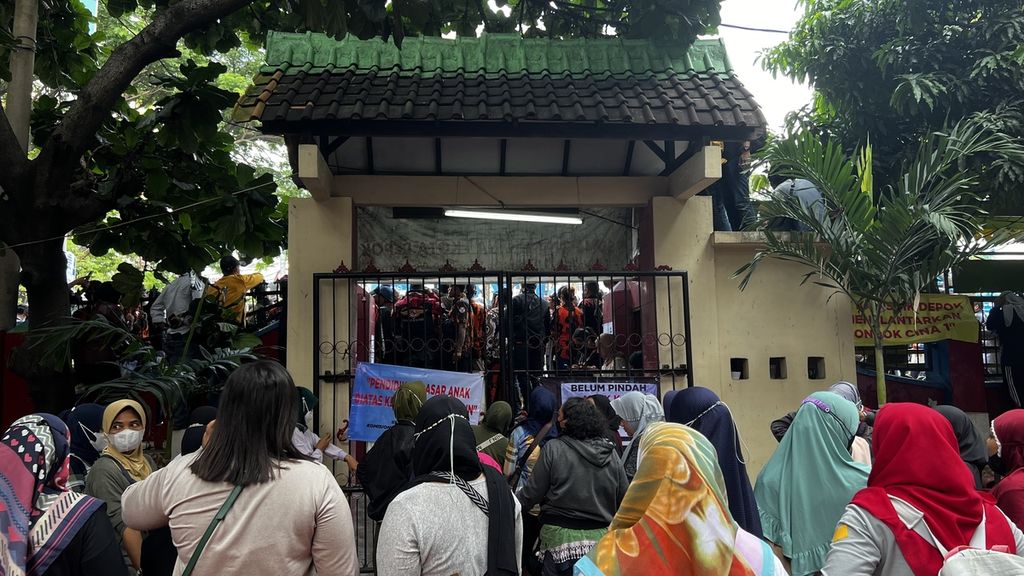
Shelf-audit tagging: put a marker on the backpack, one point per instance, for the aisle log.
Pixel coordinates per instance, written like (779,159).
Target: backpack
(966,560)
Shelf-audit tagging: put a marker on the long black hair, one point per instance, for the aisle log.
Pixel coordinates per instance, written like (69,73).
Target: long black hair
(253,432)
(582,419)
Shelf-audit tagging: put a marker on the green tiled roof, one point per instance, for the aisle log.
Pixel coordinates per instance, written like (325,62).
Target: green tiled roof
(492,54)
(500,84)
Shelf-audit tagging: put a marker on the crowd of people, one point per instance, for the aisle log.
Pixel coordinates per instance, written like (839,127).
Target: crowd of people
(451,328)
(552,491)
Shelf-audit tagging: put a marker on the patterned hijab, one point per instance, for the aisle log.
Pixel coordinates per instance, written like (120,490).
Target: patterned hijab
(39,515)
(675,516)
(807,483)
(134,462)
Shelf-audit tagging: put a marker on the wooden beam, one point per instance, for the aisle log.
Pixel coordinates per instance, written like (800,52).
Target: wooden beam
(566,147)
(657,150)
(314,172)
(629,157)
(494,191)
(699,172)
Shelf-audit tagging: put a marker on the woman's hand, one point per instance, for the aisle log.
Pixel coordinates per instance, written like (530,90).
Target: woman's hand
(324,442)
(352,463)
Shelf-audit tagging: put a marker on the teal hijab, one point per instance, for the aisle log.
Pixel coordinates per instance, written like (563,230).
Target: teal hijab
(805,486)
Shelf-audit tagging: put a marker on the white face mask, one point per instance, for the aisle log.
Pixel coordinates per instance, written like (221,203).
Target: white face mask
(126,440)
(309,420)
(98,441)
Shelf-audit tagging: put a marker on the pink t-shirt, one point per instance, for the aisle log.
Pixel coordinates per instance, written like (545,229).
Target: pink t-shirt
(488,461)
(298,520)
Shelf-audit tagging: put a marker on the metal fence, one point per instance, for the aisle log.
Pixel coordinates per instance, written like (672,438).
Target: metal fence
(622,326)
(365,528)
(608,326)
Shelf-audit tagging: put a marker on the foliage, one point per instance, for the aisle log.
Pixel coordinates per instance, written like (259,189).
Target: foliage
(882,254)
(144,369)
(898,70)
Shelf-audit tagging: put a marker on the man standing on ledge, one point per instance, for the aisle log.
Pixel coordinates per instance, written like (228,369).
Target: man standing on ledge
(231,288)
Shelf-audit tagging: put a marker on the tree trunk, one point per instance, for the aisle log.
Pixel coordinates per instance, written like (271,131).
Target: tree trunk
(9,271)
(19,95)
(876,331)
(44,275)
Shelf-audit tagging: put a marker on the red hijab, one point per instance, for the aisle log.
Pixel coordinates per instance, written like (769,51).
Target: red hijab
(917,459)
(1009,429)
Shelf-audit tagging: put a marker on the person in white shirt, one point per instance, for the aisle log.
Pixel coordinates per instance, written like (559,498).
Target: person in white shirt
(170,314)
(305,438)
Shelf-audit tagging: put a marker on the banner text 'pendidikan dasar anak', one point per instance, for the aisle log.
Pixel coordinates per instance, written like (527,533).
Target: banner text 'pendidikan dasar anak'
(370,413)
(937,317)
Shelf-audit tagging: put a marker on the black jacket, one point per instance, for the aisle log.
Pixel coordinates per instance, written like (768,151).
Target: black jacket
(578,484)
(387,468)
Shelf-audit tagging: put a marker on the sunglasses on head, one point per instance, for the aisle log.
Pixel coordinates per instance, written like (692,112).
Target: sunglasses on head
(824,407)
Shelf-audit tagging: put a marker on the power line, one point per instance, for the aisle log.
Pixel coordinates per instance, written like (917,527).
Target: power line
(149,217)
(751,29)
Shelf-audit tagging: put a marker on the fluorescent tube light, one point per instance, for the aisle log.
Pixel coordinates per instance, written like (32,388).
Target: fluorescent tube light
(513,216)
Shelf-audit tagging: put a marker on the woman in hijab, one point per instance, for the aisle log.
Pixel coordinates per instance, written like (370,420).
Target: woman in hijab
(121,464)
(387,467)
(492,432)
(522,455)
(46,528)
(192,439)
(638,410)
(675,517)
(542,407)
(306,439)
(920,502)
(972,446)
(860,449)
(803,488)
(480,531)
(612,420)
(1008,430)
(85,422)
(702,410)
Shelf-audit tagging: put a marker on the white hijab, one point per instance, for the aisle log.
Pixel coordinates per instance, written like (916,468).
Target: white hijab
(639,410)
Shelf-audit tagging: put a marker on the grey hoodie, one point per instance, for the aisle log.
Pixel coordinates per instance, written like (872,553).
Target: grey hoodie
(578,483)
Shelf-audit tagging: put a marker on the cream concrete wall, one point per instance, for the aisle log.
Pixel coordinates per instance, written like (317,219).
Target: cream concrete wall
(773,317)
(319,238)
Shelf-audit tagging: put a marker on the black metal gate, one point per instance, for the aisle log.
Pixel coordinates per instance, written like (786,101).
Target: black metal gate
(606,326)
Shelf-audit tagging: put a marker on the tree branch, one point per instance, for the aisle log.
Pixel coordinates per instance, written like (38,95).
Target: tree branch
(155,42)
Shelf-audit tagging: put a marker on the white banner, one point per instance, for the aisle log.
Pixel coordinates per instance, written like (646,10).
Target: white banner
(426,244)
(612,390)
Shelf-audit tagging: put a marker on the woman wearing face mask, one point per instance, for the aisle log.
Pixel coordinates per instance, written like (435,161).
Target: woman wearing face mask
(47,528)
(85,422)
(120,465)
(306,439)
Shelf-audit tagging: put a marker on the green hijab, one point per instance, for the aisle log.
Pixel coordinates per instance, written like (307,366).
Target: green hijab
(496,422)
(805,486)
(408,400)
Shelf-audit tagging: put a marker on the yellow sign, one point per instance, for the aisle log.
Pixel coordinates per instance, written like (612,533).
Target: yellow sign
(938,317)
